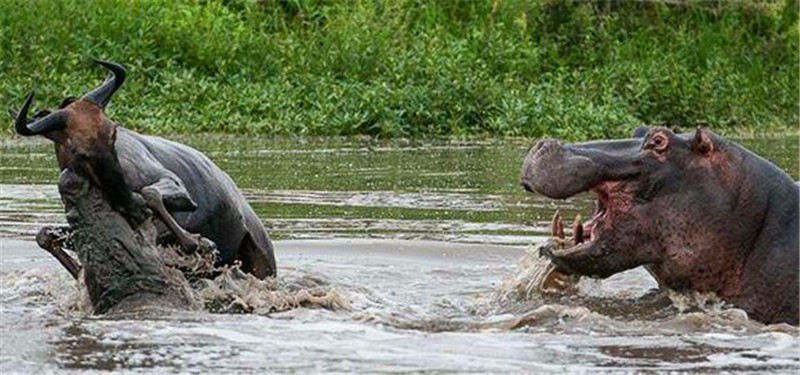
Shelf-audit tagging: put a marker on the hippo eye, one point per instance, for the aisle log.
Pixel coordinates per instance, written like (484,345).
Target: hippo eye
(658,143)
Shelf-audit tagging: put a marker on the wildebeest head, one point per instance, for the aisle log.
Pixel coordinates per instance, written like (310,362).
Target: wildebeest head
(84,138)
(78,127)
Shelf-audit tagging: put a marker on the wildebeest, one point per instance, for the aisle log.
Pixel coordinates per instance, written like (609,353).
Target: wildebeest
(183,187)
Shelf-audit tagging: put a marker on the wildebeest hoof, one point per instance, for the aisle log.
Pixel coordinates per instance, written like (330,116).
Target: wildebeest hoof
(196,243)
(54,240)
(191,243)
(47,238)
(204,244)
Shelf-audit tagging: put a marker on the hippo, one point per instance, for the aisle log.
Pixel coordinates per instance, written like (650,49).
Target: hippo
(700,212)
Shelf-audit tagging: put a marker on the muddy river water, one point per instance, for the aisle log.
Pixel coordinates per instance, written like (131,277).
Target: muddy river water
(411,250)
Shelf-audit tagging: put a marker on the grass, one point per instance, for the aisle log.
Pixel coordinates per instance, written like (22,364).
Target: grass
(411,68)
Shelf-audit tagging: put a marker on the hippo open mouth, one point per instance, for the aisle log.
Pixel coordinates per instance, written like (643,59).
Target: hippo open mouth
(587,231)
(582,231)
(560,171)
(609,204)
(700,212)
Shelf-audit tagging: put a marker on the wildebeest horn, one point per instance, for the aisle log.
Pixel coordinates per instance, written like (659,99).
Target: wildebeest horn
(102,95)
(54,121)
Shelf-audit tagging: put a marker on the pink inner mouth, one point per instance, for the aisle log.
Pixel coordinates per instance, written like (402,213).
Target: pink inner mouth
(613,200)
(590,227)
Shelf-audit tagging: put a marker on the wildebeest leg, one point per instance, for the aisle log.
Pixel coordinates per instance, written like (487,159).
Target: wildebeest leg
(154,200)
(52,240)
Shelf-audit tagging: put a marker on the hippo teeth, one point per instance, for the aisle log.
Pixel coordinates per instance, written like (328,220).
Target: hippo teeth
(581,232)
(577,230)
(589,228)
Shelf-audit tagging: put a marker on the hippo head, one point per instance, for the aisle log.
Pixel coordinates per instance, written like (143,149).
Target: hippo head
(663,199)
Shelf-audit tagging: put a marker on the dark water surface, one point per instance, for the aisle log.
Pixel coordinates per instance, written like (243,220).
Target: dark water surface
(419,241)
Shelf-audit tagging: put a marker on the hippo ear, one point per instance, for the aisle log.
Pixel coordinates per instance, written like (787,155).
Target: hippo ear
(702,142)
(640,132)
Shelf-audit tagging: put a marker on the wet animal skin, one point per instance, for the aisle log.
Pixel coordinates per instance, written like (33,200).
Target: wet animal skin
(190,195)
(702,213)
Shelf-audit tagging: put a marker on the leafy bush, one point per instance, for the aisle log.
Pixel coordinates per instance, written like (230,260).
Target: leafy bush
(413,67)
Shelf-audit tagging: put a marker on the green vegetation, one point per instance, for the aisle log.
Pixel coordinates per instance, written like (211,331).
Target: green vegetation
(413,67)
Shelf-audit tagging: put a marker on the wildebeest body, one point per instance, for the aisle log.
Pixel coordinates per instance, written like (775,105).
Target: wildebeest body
(186,178)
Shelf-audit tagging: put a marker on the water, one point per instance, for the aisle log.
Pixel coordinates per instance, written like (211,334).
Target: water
(395,256)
